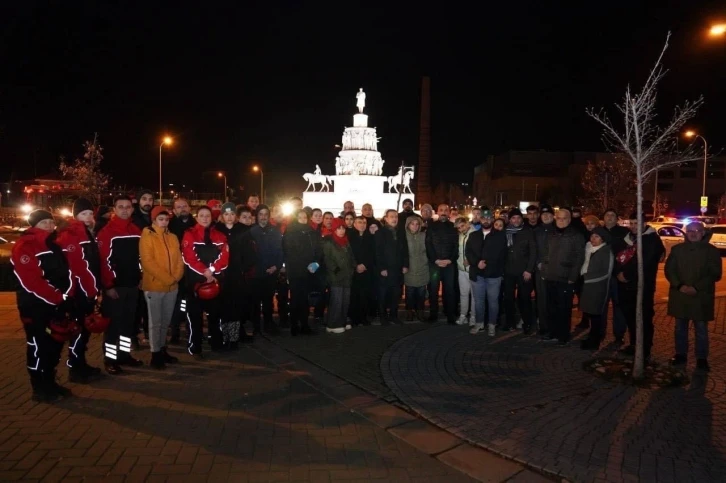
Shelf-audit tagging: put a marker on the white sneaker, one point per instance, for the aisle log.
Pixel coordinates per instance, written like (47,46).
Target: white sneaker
(475,330)
(472,321)
(337,330)
(492,330)
(461,320)
(348,326)
(520,324)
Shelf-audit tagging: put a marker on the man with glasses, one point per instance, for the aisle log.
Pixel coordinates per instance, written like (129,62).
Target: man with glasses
(692,269)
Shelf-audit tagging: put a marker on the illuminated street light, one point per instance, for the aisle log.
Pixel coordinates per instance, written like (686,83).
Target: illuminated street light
(717,30)
(26,208)
(168,141)
(224,175)
(692,134)
(257,169)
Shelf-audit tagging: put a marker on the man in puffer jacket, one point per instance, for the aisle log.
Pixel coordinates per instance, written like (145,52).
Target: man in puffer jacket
(441,247)
(560,269)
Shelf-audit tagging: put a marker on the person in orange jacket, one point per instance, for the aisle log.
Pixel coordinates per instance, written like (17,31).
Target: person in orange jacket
(162,265)
(206,255)
(81,251)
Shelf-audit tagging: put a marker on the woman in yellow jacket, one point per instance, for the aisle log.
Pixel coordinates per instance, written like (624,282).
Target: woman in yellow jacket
(163,267)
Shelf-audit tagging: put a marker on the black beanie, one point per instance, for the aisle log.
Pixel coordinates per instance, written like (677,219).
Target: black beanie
(81,204)
(39,215)
(143,192)
(515,212)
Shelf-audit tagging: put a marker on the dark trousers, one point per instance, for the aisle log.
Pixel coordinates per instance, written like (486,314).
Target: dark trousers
(282,288)
(360,295)
(628,302)
(78,345)
(598,323)
(142,315)
(122,311)
(195,318)
(516,284)
(299,301)
(42,352)
(415,297)
(179,316)
(389,294)
(445,276)
(262,290)
(540,286)
(559,309)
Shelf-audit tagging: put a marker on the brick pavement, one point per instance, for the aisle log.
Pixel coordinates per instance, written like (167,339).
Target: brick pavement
(259,414)
(534,403)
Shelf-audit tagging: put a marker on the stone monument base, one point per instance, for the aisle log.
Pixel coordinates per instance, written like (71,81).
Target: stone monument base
(360,189)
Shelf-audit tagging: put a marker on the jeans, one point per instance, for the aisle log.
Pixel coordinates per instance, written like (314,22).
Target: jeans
(161,307)
(415,297)
(464,292)
(559,309)
(338,307)
(701,328)
(486,298)
(524,289)
(446,276)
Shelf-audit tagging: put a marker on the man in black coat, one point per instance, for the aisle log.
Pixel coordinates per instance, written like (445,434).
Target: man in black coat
(626,273)
(519,270)
(364,251)
(541,237)
(142,211)
(390,254)
(402,216)
(618,234)
(442,249)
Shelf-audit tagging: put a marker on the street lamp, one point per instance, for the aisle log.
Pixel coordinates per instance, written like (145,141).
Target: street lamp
(262,181)
(224,175)
(717,30)
(168,141)
(692,134)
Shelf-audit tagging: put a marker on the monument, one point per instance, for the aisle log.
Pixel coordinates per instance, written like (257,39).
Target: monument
(358,173)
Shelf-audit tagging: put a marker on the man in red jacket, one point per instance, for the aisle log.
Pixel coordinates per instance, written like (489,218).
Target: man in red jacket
(118,244)
(81,251)
(43,297)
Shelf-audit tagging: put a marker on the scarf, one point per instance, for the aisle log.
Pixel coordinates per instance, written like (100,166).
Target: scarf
(589,250)
(511,231)
(341,241)
(624,256)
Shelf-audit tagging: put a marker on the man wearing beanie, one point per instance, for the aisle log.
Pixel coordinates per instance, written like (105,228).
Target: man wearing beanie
(118,244)
(268,262)
(81,251)
(42,298)
(402,216)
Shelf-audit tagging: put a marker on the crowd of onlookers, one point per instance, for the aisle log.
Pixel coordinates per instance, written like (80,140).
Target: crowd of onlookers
(154,268)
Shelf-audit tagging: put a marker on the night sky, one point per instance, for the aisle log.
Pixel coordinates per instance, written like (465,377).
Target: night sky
(276,85)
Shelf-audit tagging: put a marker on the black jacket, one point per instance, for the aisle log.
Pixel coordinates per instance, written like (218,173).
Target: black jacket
(618,234)
(178,227)
(300,247)
(541,238)
(522,254)
(653,251)
(565,255)
(141,219)
(402,216)
(364,248)
(492,249)
(390,253)
(240,251)
(442,241)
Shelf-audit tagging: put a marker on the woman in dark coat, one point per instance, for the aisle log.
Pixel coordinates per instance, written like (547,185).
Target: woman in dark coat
(301,251)
(596,272)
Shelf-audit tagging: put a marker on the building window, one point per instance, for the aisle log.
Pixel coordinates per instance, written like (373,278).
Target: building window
(665,186)
(688,173)
(666,175)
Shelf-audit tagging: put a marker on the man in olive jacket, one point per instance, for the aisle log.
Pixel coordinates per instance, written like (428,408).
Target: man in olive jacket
(692,269)
(560,270)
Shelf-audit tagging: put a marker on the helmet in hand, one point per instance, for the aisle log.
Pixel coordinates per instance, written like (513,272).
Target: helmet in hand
(96,323)
(207,290)
(62,330)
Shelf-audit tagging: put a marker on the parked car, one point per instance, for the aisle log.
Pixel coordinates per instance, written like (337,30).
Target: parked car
(708,221)
(718,236)
(670,236)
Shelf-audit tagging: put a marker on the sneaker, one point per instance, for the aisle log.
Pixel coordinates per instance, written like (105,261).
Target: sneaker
(348,327)
(491,330)
(472,321)
(702,364)
(679,360)
(336,330)
(520,324)
(476,329)
(549,339)
(461,320)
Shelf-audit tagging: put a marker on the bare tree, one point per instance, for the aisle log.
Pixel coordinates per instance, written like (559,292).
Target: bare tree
(86,172)
(648,147)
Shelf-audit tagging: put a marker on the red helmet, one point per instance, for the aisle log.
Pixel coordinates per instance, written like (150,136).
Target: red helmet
(207,290)
(63,330)
(96,323)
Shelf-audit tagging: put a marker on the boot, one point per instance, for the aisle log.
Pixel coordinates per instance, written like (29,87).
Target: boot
(52,386)
(40,391)
(112,367)
(410,315)
(157,360)
(166,357)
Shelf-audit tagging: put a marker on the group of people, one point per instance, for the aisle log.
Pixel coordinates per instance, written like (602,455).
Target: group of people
(142,269)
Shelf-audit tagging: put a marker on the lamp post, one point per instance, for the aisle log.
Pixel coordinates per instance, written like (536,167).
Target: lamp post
(718,30)
(692,134)
(257,169)
(224,175)
(168,141)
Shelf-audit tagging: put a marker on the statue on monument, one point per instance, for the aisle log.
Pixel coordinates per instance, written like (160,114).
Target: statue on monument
(317,172)
(361,100)
(338,166)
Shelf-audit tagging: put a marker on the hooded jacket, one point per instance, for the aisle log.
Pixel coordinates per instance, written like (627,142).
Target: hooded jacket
(84,259)
(118,245)
(161,260)
(416,260)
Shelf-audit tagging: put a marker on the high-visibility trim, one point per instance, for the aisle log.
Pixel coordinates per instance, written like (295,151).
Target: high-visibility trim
(189,345)
(111,356)
(35,354)
(124,338)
